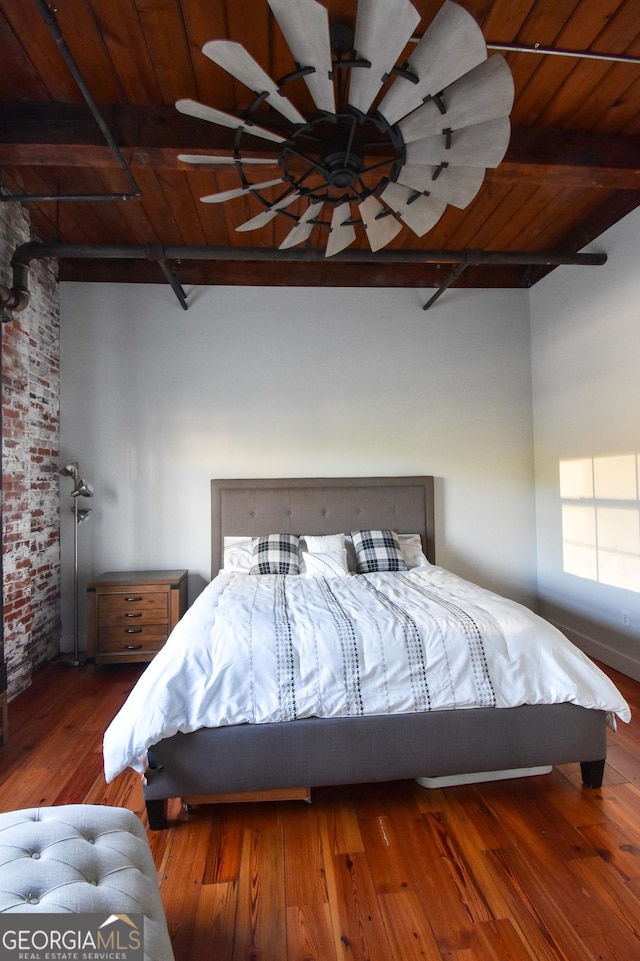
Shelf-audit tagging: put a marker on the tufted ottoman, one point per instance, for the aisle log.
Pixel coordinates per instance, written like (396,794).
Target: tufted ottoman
(83,859)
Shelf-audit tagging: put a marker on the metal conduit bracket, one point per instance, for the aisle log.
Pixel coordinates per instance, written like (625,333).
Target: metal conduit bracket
(527,277)
(451,279)
(157,252)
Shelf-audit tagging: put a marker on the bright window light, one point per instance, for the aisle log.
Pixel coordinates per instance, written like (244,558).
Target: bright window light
(615,478)
(579,541)
(576,478)
(601,519)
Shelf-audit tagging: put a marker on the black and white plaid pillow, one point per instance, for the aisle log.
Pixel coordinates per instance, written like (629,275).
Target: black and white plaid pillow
(275,554)
(377,551)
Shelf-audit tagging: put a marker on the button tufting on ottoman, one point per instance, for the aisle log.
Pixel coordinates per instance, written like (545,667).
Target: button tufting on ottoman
(82,858)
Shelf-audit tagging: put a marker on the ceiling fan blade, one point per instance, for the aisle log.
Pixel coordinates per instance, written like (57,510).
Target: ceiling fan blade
(303,228)
(205,159)
(383,28)
(262,219)
(418,212)
(194,109)
(380,225)
(341,234)
(237,192)
(481,145)
(233,58)
(455,185)
(305,25)
(452,45)
(484,93)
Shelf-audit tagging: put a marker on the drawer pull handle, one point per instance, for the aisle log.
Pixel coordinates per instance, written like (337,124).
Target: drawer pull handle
(132,647)
(133,614)
(137,598)
(133,630)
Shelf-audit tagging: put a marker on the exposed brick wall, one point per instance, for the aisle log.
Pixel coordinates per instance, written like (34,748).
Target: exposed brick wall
(30,481)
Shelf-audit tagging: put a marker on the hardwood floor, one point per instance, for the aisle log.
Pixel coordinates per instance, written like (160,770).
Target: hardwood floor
(539,868)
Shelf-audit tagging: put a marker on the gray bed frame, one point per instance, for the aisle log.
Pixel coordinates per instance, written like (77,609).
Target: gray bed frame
(328,751)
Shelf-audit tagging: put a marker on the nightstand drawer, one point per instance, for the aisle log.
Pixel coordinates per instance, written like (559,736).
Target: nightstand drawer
(130,614)
(144,608)
(125,640)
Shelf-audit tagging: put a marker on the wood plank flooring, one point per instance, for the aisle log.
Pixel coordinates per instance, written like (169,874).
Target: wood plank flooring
(539,869)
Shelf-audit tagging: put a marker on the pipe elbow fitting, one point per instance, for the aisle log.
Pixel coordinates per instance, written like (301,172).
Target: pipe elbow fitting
(13,299)
(17,298)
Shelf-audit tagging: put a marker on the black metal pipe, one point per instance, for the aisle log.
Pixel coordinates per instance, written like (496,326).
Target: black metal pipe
(559,52)
(45,198)
(17,297)
(549,258)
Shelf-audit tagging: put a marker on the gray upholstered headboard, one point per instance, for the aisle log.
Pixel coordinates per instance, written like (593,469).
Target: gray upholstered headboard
(311,505)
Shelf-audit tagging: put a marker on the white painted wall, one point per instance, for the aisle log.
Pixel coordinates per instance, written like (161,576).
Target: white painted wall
(586,384)
(255,382)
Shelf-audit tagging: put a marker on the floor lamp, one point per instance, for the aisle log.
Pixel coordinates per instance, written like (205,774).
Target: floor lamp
(81,488)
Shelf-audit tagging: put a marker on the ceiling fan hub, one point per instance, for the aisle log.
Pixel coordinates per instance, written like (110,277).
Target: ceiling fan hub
(332,157)
(342,169)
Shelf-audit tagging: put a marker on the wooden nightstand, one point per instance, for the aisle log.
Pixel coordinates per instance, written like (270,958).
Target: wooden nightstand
(130,614)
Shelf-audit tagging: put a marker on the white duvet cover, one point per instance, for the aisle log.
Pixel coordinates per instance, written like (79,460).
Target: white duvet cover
(259,649)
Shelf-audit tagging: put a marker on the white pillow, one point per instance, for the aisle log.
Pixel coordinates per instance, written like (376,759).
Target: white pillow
(237,550)
(236,555)
(325,563)
(318,544)
(411,547)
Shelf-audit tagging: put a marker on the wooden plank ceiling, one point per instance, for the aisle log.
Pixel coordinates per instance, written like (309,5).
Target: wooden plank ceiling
(571,170)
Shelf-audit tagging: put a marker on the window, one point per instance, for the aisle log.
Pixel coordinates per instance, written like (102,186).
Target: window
(601,519)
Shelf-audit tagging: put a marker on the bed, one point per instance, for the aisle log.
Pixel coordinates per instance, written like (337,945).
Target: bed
(292,749)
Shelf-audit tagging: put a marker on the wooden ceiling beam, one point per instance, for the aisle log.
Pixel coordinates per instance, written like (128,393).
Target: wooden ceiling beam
(66,135)
(570,158)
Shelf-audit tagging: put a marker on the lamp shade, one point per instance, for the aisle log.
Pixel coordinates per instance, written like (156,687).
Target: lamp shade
(82,489)
(70,470)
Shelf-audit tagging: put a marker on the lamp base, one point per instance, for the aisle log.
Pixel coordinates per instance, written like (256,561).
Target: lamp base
(69,659)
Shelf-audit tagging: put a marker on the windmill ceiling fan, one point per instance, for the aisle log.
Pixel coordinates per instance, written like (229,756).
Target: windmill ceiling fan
(442,120)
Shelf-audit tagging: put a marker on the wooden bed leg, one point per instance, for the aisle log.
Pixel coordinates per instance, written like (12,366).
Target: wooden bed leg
(157,814)
(592,773)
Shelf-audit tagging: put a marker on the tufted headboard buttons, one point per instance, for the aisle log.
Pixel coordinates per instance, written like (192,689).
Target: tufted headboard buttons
(250,507)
